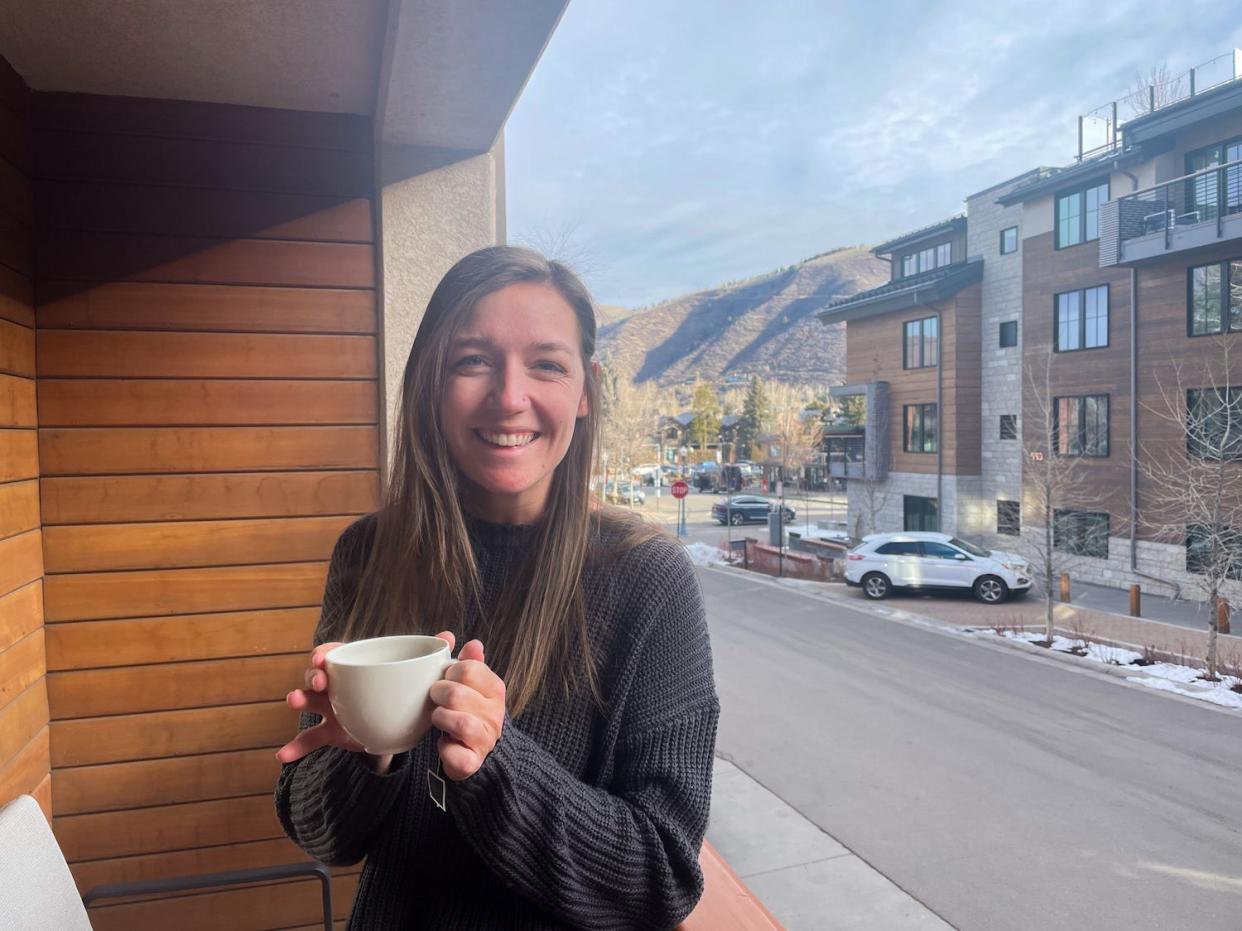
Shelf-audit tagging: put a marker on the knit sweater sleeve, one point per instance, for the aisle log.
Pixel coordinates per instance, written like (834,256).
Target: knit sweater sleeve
(330,802)
(624,855)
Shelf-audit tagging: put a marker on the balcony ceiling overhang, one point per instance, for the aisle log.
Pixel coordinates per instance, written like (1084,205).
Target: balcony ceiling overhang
(443,75)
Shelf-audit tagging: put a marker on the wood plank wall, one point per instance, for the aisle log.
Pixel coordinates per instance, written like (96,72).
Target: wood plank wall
(206,341)
(1167,355)
(24,744)
(1047,271)
(874,353)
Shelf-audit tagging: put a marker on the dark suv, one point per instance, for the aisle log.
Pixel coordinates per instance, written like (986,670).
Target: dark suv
(744,509)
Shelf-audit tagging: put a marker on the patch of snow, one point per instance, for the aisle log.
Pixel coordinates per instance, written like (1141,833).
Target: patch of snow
(704,554)
(818,533)
(1214,692)
(1172,672)
(1164,677)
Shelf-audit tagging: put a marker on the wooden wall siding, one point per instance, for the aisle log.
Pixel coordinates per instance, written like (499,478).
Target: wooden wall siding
(206,335)
(1164,346)
(1047,272)
(25,760)
(874,353)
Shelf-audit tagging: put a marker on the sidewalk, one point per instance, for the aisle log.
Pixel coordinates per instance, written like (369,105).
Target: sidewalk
(1176,629)
(804,877)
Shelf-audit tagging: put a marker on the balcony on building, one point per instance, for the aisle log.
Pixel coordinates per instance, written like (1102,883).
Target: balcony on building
(856,441)
(1192,192)
(845,447)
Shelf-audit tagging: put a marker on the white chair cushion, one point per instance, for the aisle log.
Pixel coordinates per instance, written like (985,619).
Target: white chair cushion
(37,892)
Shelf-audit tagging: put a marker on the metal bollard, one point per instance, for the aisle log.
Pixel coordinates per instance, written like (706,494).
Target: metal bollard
(1222,616)
(1136,601)
(1065,587)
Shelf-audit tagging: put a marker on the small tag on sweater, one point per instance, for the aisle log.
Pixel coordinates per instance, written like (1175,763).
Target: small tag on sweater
(436,787)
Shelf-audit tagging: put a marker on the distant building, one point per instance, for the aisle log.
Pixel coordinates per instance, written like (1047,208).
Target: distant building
(1109,272)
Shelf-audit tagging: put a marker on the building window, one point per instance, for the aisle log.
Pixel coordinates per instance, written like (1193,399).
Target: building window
(1009,240)
(1212,289)
(1009,518)
(920,513)
(1080,533)
(920,343)
(1008,334)
(1218,553)
(1080,425)
(1214,423)
(1215,192)
(920,428)
(1008,426)
(1078,215)
(926,260)
(1081,319)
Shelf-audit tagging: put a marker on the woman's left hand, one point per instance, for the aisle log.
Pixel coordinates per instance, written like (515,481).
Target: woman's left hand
(470,710)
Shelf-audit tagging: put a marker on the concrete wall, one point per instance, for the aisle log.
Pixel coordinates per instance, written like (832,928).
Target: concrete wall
(1165,561)
(1001,369)
(435,207)
(956,493)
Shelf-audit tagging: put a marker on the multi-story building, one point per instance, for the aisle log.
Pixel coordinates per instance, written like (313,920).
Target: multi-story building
(913,367)
(1076,315)
(1132,291)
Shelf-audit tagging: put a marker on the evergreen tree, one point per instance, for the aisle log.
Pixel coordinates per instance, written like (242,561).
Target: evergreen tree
(705,405)
(754,415)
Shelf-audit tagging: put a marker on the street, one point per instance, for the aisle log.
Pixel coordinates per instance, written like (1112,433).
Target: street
(809,509)
(1001,791)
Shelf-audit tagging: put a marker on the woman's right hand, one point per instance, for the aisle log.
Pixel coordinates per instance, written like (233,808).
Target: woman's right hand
(314,699)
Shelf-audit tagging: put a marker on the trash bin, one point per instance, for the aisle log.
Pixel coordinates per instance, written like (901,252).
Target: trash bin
(776,528)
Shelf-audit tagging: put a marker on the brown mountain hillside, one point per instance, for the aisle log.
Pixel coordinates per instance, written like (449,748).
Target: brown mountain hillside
(764,326)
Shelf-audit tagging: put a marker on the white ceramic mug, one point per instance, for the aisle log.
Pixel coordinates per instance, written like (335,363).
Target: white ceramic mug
(379,689)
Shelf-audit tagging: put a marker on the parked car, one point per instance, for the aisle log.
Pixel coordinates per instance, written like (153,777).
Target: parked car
(624,493)
(928,561)
(743,509)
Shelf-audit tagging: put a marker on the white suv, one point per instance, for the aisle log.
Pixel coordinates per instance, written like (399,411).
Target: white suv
(930,561)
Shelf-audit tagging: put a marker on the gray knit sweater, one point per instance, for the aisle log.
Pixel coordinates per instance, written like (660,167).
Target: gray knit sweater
(579,817)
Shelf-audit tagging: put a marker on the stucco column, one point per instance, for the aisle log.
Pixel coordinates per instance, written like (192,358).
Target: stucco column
(434,206)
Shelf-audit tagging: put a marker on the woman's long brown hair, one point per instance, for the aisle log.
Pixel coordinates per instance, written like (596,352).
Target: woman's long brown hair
(421,575)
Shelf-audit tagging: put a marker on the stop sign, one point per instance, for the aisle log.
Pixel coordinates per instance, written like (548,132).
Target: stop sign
(680,489)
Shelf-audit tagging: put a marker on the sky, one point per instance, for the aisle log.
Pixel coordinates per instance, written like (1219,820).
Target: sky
(666,147)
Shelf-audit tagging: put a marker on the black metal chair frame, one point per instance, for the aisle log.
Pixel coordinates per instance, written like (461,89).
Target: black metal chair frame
(210,880)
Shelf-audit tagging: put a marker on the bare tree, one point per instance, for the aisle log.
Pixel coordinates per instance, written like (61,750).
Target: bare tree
(871,503)
(1158,88)
(1054,475)
(797,436)
(630,419)
(1199,500)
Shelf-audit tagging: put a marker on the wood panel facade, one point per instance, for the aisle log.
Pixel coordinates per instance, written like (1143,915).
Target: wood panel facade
(205,327)
(1105,482)
(25,757)
(874,353)
(1170,362)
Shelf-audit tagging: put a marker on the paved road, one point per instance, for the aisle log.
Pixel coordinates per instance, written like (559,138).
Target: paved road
(1003,792)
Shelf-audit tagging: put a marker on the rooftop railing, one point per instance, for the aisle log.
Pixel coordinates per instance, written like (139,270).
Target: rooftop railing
(1101,130)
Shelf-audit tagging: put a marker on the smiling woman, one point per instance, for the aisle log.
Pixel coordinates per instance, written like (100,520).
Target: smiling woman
(578,749)
(512,400)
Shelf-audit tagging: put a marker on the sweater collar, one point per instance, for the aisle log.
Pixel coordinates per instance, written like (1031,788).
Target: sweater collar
(500,536)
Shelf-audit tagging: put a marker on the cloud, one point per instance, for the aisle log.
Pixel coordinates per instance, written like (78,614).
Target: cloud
(693,146)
